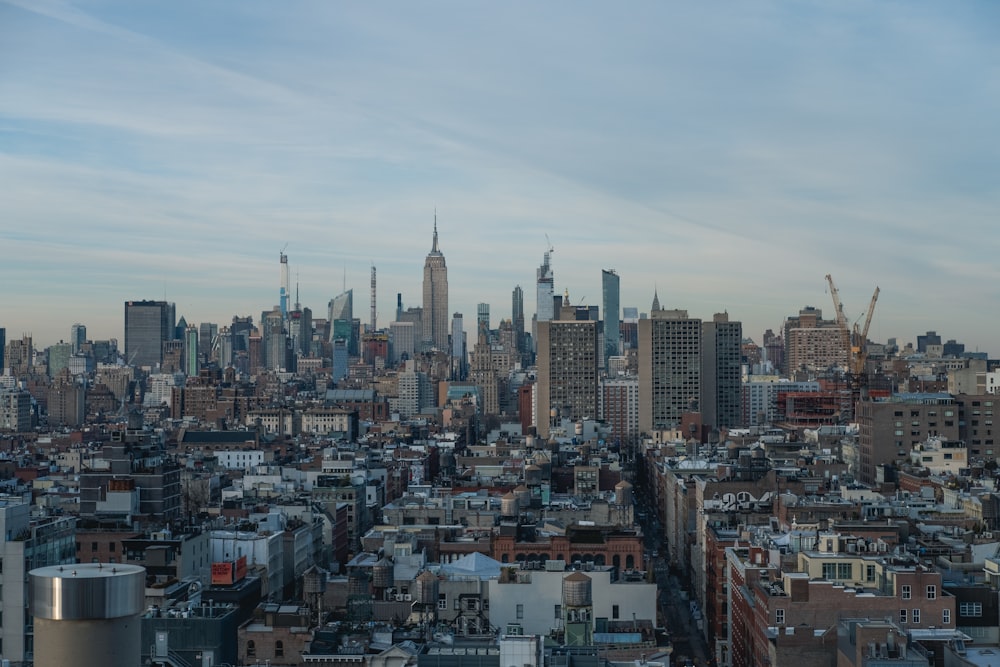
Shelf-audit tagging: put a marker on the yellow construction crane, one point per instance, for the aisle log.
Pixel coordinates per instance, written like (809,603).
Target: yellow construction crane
(855,341)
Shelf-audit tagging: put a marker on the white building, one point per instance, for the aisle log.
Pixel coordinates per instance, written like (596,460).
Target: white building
(532,600)
(264,553)
(243,459)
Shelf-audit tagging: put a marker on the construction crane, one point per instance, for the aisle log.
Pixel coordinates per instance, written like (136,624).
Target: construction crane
(855,343)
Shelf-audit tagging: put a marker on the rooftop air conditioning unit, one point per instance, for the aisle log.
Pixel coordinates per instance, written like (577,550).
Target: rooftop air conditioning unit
(408,597)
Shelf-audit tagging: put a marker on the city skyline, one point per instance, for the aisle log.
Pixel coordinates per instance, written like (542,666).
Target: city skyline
(726,159)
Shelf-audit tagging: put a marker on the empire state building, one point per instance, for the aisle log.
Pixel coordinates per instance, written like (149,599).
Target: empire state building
(435,312)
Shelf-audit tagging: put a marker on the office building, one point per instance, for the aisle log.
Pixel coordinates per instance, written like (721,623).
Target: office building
(402,341)
(77,337)
(207,333)
(721,372)
(482,321)
(611,300)
(568,357)
(3,350)
(435,306)
(669,368)
(341,317)
(148,324)
(57,357)
(458,357)
(192,361)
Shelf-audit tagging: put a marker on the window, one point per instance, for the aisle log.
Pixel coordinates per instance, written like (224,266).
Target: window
(932,592)
(251,649)
(520,612)
(905,594)
(279,649)
(915,615)
(111,547)
(902,616)
(870,572)
(614,612)
(845,570)
(442,601)
(946,617)
(829,570)
(779,616)
(971,609)
(93,546)
(558,610)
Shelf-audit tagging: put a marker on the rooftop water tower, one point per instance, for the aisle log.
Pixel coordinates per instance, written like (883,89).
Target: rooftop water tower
(87,615)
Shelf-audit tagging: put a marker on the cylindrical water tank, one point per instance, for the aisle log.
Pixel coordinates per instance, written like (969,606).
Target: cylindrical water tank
(578,429)
(523,495)
(357,584)
(509,505)
(382,573)
(425,588)
(576,590)
(313,581)
(623,493)
(533,475)
(87,615)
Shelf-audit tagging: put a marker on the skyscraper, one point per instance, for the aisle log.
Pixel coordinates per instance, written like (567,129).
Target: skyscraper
(482,321)
(517,317)
(546,290)
(3,350)
(77,337)
(610,291)
(435,311)
(192,361)
(284,293)
(458,361)
(341,318)
(148,324)
(669,368)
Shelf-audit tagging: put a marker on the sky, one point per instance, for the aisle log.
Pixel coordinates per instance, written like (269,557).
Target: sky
(727,155)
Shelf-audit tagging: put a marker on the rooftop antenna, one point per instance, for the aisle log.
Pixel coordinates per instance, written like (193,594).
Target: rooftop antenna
(345,276)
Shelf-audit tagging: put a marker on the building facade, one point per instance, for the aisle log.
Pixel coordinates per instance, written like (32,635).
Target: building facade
(435,308)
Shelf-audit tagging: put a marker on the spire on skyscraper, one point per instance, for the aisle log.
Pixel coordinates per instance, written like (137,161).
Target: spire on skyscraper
(656,300)
(434,247)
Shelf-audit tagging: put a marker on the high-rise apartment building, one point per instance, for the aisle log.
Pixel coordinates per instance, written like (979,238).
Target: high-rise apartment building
(148,324)
(721,372)
(611,299)
(568,356)
(618,407)
(669,368)
(812,342)
(20,356)
(435,310)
